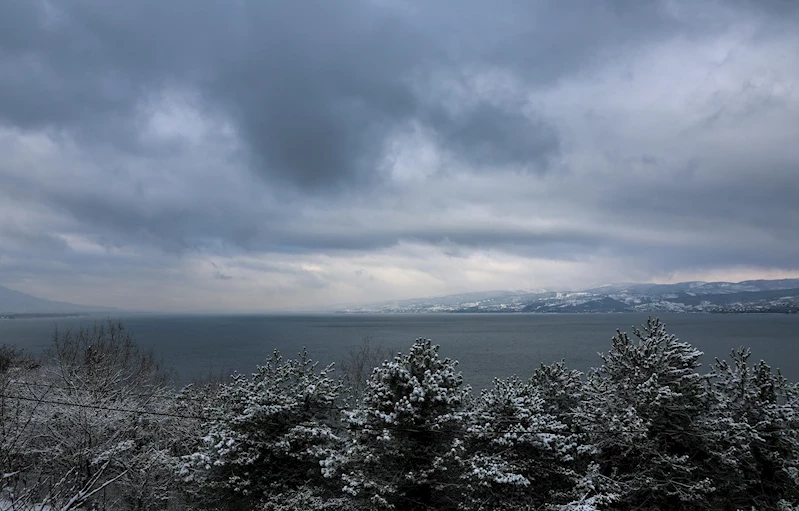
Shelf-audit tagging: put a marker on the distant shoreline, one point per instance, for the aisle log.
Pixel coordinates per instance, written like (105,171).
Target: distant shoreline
(790,310)
(44,315)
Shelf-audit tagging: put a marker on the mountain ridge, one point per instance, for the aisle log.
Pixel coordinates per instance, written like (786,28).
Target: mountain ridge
(14,303)
(781,295)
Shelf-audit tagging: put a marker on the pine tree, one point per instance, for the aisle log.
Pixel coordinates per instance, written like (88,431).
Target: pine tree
(406,435)
(520,455)
(646,413)
(560,388)
(267,434)
(758,419)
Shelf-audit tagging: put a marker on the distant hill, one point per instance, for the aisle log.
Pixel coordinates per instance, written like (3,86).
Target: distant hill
(16,303)
(780,296)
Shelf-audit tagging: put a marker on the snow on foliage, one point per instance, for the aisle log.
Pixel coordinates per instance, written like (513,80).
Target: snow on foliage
(65,421)
(405,439)
(519,454)
(266,434)
(645,415)
(759,413)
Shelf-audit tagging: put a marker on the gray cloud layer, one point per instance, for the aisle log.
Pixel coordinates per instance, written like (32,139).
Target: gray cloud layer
(314,88)
(162,140)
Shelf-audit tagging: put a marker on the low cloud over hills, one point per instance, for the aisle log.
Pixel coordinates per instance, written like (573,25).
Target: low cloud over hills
(14,302)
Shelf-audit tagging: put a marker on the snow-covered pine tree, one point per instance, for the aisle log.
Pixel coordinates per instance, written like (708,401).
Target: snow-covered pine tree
(267,435)
(406,436)
(560,388)
(562,392)
(757,413)
(519,455)
(645,411)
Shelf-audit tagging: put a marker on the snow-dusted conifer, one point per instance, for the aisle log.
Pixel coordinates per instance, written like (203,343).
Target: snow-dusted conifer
(645,412)
(758,428)
(267,434)
(406,435)
(520,455)
(560,389)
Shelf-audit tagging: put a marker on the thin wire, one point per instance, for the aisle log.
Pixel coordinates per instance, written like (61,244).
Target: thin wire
(355,427)
(151,396)
(105,408)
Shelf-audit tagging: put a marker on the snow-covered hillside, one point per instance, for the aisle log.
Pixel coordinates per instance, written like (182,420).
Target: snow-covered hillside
(719,297)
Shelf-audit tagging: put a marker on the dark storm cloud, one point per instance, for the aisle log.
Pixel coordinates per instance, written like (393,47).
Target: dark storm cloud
(486,135)
(198,223)
(124,217)
(179,226)
(737,221)
(314,88)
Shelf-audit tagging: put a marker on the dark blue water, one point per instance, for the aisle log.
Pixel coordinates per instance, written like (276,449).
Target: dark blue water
(487,345)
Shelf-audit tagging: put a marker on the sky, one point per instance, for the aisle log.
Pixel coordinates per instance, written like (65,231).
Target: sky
(255,155)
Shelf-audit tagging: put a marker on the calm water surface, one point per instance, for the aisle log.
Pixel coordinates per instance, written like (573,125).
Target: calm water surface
(487,345)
